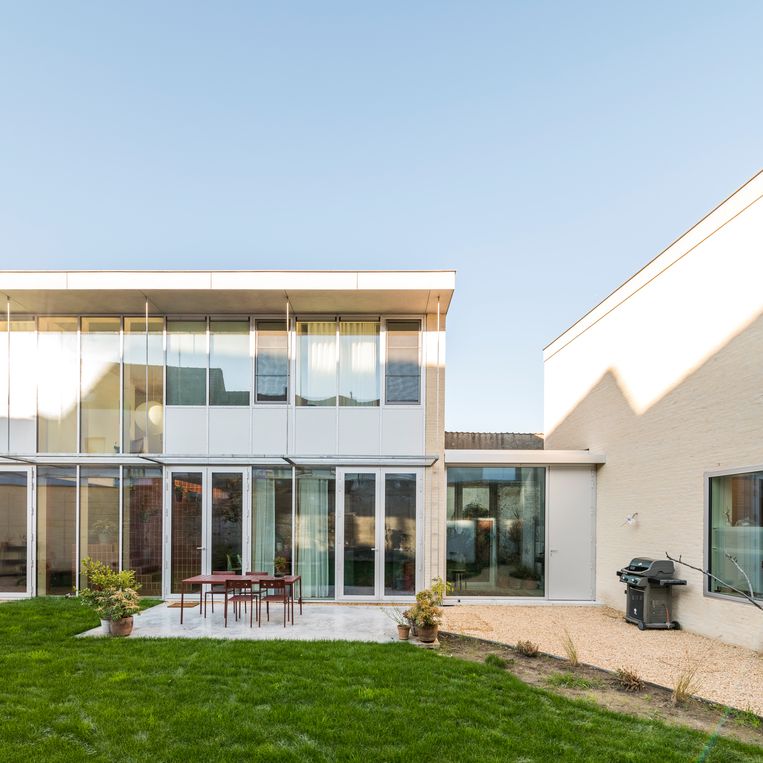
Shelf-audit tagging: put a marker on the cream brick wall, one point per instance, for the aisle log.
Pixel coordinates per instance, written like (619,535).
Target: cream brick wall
(666,379)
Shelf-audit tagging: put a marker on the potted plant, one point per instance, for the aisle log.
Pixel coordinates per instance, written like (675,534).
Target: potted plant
(281,566)
(426,615)
(113,596)
(401,620)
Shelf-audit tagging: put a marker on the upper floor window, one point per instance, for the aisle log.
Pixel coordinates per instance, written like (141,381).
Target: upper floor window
(403,383)
(736,530)
(230,365)
(186,362)
(272,363)
(338,362)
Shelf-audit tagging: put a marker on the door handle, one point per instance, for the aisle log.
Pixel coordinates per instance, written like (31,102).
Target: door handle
(373,548)
(201,548)
(553,550)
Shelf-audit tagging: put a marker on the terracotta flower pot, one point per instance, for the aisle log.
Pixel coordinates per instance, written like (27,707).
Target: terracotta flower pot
(121,627)
(427,633)
(529,584)
(514,582)
(403,631)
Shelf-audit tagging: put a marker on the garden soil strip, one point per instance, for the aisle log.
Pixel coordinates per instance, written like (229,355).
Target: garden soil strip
(730,675)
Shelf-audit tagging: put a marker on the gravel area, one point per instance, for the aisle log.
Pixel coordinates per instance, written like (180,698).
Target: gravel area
(727,674)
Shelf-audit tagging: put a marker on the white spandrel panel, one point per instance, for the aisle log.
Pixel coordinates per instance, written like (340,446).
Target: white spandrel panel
(359,431)
(229,431)
(23,435)
(185,430)
(269,431)
(315,431)
(571,532)
(403,431)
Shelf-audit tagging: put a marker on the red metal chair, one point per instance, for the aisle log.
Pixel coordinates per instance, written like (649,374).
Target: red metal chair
(273,591)
(215,588)
(239,592)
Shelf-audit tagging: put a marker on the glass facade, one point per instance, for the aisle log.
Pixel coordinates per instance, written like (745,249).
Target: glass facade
(58,354)
(403,373)
(359,534)
(315,533)
(317,363)
(272,364)
(358,363)
(186,362)
(271,518)
(56,530)
(99,516)
(496,531)
(227,492)
(143,385)
(100,350)
(187,516)
(736,530)
(230,365)
(142,527)
(399,534)
(13,532)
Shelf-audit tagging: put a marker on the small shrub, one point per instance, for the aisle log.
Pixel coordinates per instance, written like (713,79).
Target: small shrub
(570,681)
(629,679)
(570,649)
(527,648)
(686,683)
(497,662)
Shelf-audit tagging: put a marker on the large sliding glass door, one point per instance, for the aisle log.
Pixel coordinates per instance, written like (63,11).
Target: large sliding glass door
(15,548)
(207,518)
(377,518)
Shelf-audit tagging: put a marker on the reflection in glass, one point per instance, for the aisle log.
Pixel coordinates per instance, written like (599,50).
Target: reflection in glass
(358,363)
(186,362)
(317,363)
(315,531)
(227,506)
(17,370)
(13,532)
(186,527)
(99,516)
(399,534)
(272,365)
(99,385)
(58,383)
(230,365)
(736,530)
(359,534)
(271,518)
(56,530)
(142,527)
(496,535)
(143,385)
(403,369)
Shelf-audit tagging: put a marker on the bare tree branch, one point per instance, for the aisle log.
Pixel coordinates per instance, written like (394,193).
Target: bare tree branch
(722,582)
(744,574)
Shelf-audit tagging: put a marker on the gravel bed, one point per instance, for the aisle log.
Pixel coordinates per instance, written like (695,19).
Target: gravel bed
(727,674)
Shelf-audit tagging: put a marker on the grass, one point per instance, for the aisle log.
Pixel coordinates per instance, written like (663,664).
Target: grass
(67,699)
(571,681)
(570,649)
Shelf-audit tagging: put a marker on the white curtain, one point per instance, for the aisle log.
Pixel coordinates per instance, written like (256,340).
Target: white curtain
(317,363)
(312,536)
(263,553)
(359,362)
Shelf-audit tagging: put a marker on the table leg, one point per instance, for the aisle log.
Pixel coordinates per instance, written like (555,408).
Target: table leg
(182,598)
(291,603)
(300,594)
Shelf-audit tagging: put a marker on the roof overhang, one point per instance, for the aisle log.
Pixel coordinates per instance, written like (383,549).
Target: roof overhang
(228,292)
(521,457)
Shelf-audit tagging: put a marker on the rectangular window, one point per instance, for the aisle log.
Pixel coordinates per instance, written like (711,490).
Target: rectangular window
(358,363)
(99,385)
(399,534)
(403,381)
(143,385)
(186,362)
(316,531)
(142,527)
(496,531)
(13,532)
(22,379)
(99,516)
(272,366)
(271,518)
(56,530)
(317,363)
(230,364)
(736,530)
(58,384)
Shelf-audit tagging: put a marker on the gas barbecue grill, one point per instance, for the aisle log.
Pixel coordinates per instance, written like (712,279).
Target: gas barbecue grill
(649,592)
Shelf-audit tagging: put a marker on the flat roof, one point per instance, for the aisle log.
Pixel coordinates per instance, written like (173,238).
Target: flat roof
(455,457)
(177,292)
(743,198)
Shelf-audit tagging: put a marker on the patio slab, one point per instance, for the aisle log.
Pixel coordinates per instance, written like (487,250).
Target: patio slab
(320,622)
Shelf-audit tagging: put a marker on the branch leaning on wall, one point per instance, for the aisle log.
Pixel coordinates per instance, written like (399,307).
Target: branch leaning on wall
(748,596)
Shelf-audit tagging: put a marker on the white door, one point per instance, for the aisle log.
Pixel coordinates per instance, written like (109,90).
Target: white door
(16,532)
(207,516)
(571,558)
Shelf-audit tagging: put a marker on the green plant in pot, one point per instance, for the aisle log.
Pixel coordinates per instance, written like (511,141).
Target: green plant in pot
(112,595)
(426,615)
(281,566)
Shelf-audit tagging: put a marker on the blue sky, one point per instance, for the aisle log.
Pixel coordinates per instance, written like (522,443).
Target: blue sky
(546,150)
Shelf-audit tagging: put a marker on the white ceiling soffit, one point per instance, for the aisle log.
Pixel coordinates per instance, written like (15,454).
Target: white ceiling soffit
(521,457)
(227,292)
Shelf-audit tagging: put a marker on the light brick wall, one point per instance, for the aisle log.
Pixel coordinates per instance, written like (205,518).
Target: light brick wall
(667,382)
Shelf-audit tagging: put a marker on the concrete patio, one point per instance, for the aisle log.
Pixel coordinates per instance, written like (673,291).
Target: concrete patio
(319,622)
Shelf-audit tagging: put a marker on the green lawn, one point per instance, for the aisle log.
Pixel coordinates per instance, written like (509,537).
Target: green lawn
(66,699)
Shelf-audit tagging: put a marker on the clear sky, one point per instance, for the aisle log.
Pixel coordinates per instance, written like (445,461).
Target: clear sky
(546,150)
